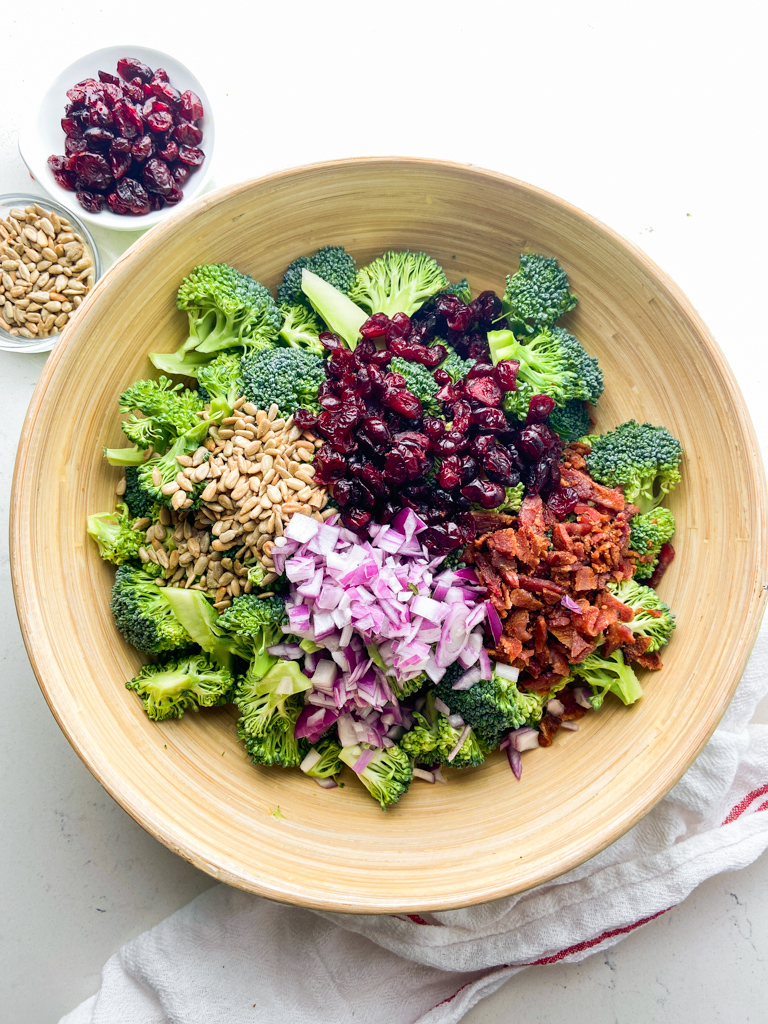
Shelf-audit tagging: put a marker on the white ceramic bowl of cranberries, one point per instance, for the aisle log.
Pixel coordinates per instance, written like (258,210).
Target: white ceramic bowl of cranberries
(44,137)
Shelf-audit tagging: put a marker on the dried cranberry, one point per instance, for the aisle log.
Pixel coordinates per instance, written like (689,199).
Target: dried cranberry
(469,469)
(490,419)
(159,121)
(156,177)
(128,120)
(484,493)
(129,68)
(461,412)
(190,106)
(536,477)
(104,76)
(98,139)
(505,374)
(100,115)
(76,94)
(180,174)
(562,501)
(90,201)
(403,402)
(413,437)
(112,93)
(539,408)
(169,152)
(375,326)
(136,90)
(480,370)
(383,358)
(164,91)
(461,317)
(160,75)
(485,390)
(134,195)
(71,126)
(119,164)
(94,170)
(120,145)
(376,432)
(329,465)
(395,470)
(449,444)
(116,204)
(394,380)
(442,537)
(330,402)
(433,427)
(330,341)
(373,479)
(73,145)
(435,354)
(398,327)
(477,347)
(190,155)
(487,308)
(355,518)
(142,148)
(304,419)
(498,466)
(442,377)
(448,393)
(343,492)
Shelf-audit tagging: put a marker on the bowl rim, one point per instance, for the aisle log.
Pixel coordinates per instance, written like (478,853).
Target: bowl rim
(224,870)
(31,143)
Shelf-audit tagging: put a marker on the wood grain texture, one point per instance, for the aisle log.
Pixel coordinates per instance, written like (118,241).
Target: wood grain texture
(483,836)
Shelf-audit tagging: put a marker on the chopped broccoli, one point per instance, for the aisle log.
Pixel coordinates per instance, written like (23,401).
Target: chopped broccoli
(277,745)
(168,410)
(221,384)
(456,367)
(175,685)
(650,531)
(140,504)
(329,763)
(289,377)
(337,310)
(432,738)
(168,467)
(537,295)
(113,532)
(386,776)
(331,263)
(419,380)
(143,614)
(513,499)
(460,290)
(226,309)
(642,458)
(397,282)
(609,674)
(257,620)
(492,706)
(552,362)
(405,687)
(653,617)
(569,421)
(301,327)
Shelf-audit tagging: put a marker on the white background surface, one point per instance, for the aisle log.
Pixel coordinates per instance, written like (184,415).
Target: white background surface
(650,117)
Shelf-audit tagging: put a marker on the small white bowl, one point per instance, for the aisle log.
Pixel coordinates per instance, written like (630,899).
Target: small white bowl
(44,136)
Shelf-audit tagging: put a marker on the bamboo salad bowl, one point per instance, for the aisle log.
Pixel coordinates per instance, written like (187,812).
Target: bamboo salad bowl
(483,835)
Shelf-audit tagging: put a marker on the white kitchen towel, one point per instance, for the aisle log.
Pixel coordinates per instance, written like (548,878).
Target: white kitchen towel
(231,958)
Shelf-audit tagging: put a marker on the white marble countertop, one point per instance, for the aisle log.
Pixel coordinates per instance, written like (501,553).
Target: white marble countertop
(648,117)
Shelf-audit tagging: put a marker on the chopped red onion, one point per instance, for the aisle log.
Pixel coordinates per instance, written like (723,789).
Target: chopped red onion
(301,528)
(494,622)
(362,762)
(581,695)
(419,773)
(438,774)
(524,738)
(325,783)
(515,762)
(570,726)
(506,671)
(456,721)
(459,743)
(310,760)
(555,707)
(442,707)
(291,652)
(570,604)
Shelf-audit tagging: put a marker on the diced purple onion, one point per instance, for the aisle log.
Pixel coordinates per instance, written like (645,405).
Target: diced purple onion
(581,695)
(494,622)
(555,707)
(515,762)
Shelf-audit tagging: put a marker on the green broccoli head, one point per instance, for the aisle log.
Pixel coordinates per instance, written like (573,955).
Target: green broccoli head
(650,531)
(419,380)
(386,776)
(461,290)
(301,327)
(569,421)
(456,367)
(175,685)
(329,763)
(257,620)
(220,383)
(492,706)
(276,745)
(168,468)
(609,675)
(289,377)
(513,499)
(432,738)
(589,376)
(641,458)
(331,263)
(140,504)
(537,295)
(260,696)
(167,409)
(397,282)
(226,309)
(113,532)
(653,617)
(143,615)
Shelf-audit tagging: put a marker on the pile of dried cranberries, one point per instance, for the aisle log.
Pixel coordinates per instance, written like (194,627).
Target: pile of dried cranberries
(132,144)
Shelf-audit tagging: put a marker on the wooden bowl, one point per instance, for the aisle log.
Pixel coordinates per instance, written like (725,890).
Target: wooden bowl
(483,835)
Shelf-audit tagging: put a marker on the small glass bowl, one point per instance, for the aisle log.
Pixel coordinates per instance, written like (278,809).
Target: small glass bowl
(15,342)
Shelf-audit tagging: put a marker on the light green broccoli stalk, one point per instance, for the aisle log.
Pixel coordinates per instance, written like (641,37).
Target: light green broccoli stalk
(175,685)
(336,309)
(331,264)
(113,532)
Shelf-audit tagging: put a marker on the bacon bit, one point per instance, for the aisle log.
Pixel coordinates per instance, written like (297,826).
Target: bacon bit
(548,726)
(666,555)
(651,661)
(631,652)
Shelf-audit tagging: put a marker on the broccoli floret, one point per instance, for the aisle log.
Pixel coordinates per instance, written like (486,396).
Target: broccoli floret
(301,327)
(492,706)
(397,282)
(143,614)
(226,309)
(113,532)
(329,763)
(570,421)
(330,263)
(335,308)
(259,621)
(456,367)
(650,532)
(277,745)
(513,499)
(552,362)
(168,410)
(220,384)
(432,738)
(261,696)
(405,687)
(176,685)
(609,674)
(461,290)
(168,467)
(419,380)
(386,776)
(537,295)
(653,617)
(641,458)
(140,504)
(289,377)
